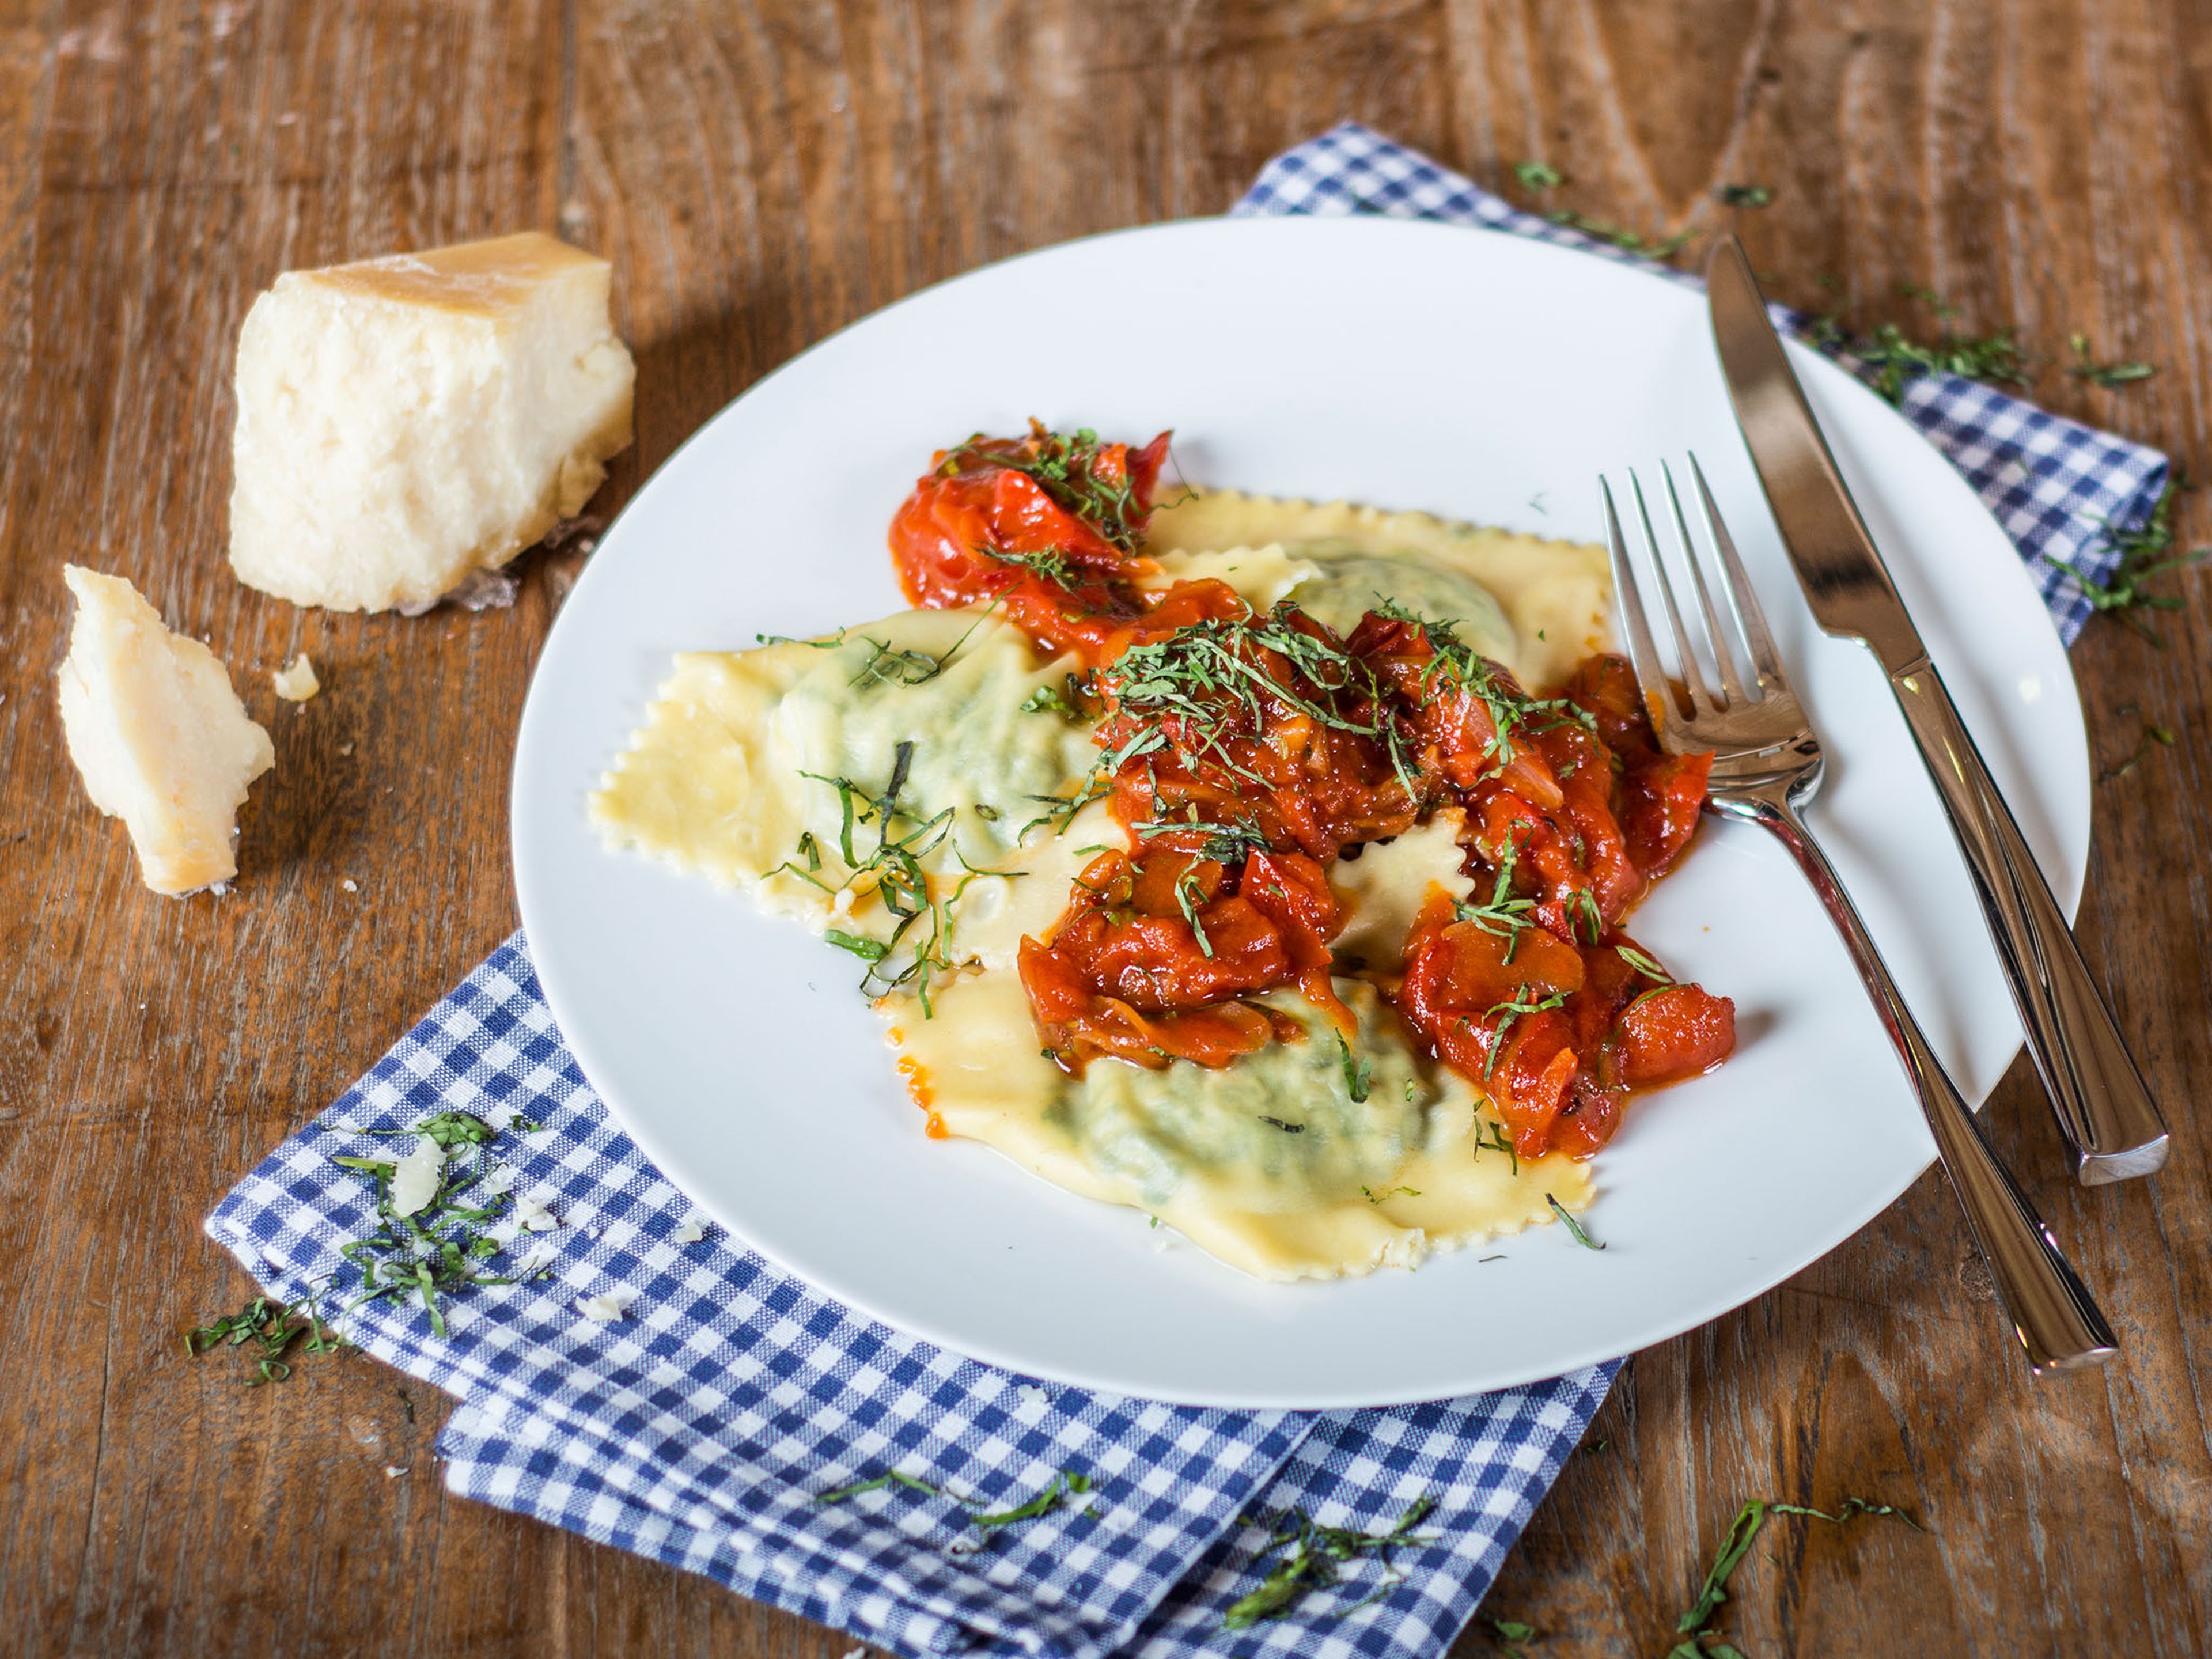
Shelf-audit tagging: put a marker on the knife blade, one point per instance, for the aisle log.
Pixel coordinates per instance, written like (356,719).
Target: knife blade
(2113,1128)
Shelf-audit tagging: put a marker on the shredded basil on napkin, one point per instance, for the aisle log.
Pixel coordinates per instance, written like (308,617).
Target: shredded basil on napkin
(1313,1556)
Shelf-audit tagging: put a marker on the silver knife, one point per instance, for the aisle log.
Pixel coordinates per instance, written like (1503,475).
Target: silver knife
(2112,1126)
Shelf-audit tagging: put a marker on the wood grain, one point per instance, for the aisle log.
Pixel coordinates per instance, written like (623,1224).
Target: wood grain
(761,173)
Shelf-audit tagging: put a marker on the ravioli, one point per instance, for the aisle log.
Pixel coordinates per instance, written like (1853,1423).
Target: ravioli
(1338,579)
(765,770)
(1261,576)
(1383,890)
(1270,1165)
(1552,594)
(736,773)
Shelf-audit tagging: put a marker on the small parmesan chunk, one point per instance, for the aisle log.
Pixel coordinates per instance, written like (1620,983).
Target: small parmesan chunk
(690,1232)
(297,682)
(158,735)
(407,421)
(533,1215)
(605,1308)
(415,1177)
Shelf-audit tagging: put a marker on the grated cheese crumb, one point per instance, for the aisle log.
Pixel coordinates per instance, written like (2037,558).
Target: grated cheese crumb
(690,1232)
(532,1214)
(350,884)
(415,1178)
(297,682)
(605,1308)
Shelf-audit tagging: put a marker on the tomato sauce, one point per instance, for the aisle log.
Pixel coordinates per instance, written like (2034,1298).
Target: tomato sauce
(1242,751)
(1047,525)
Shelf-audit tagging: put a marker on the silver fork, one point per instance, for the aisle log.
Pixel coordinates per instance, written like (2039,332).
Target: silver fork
(1766,767)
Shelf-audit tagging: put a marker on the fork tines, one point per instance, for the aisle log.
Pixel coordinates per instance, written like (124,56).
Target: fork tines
(1747,709)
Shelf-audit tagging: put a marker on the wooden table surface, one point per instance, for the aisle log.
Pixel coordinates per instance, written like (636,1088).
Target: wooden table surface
(761,173)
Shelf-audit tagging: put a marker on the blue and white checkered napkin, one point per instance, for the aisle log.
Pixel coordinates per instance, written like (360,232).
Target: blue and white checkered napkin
(699,1425)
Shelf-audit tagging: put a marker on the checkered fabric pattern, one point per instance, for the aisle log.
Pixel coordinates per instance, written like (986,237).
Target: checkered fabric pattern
(700,1425)
(2055,485)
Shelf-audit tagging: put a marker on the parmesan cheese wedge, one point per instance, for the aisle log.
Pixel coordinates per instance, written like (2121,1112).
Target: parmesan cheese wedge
(408,422)
(157,733)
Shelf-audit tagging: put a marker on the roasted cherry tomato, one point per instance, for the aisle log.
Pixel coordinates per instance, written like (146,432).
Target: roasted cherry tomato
(1048,524)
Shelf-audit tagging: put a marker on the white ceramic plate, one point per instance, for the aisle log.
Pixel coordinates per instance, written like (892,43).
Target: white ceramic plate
(1408,365)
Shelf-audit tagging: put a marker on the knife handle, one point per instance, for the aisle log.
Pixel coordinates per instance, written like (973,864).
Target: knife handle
(2113,1128)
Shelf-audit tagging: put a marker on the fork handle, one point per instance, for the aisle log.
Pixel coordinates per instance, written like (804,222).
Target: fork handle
(2113,1128)
(2051,1311)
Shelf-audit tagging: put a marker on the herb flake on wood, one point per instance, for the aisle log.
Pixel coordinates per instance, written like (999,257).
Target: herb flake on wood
(2112,375)
(1692,1625)
(2152,734)
(1627,241)
(1541,176)
(268,1328)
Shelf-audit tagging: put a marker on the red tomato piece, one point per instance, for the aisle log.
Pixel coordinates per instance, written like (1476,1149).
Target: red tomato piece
(1659,813)
(1154,937)
(1530,1088)
(1675,1033)
(1049,524)
(1293,891)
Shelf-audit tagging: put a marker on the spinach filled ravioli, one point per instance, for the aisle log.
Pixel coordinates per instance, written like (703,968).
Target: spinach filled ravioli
(1210,856)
